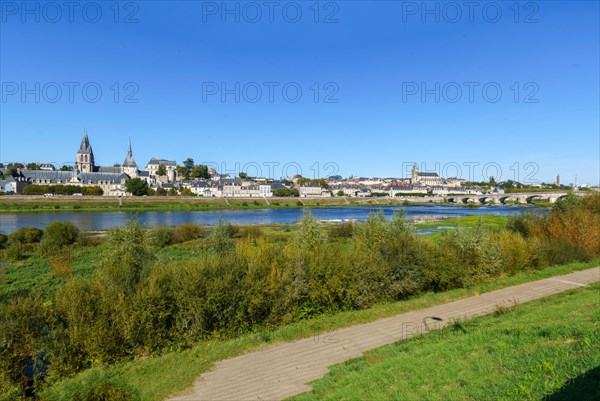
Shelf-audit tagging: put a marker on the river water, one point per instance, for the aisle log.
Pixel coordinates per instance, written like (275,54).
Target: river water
(95,221)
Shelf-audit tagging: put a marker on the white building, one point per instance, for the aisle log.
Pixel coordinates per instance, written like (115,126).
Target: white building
(170,167)
(266,191)
(312,191)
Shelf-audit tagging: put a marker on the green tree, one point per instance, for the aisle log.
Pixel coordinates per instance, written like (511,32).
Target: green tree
(188,165)
(33,166)
(286,192)
(162,170)
(243,175)
(199,171)
(340,193)
(66,168)
(137,187)
(509,184)
(492,181)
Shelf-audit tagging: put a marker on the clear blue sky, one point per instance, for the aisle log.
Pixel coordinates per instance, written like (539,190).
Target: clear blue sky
(373,54)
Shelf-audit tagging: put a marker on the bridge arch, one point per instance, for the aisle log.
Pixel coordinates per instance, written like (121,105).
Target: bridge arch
(532,197)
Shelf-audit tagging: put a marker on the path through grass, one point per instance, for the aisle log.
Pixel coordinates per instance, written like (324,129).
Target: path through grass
(546,348)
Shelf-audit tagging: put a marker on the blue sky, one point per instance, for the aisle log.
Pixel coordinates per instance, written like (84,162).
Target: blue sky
(369,60)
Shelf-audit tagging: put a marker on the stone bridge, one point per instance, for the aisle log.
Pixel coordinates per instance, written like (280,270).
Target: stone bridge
(521,198)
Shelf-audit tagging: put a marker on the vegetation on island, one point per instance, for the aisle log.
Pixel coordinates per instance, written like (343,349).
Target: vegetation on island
(150,292)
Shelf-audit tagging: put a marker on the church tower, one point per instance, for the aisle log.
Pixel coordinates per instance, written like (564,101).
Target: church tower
(85,156)
(129,165)
(415,174)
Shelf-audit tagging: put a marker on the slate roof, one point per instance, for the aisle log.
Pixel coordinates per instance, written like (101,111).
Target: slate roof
(162,161)
(51,176)
(97,177)
(115,170)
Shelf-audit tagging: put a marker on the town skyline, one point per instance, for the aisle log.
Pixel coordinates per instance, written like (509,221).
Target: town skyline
(472,171)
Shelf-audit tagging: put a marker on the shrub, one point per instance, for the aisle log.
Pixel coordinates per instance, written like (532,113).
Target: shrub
(311,234)
(516,254)
(465,257)
(27,235)
(16,251)
(21,354)
(3,240)
(127,254)
(250,232)
(106,391)
(222,238)
(59,234)
(162,236)
(62,263)
(187,232)
(342,230)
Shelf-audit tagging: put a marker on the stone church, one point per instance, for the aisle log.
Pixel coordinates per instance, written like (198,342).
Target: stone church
(85,173)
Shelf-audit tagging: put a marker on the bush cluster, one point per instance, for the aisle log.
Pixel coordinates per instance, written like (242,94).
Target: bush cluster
(62,190)
(164,236)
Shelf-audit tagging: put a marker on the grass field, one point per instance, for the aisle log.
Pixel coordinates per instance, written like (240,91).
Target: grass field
(543,350)
(155,378)
(495,222)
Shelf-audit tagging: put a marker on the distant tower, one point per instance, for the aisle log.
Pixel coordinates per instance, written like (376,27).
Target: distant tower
(558,180)
(85,156)
(415,174)
(129,165)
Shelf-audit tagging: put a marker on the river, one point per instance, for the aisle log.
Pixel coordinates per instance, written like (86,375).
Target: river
(98,221)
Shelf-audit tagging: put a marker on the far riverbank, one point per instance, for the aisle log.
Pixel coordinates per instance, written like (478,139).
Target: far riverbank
(36,204)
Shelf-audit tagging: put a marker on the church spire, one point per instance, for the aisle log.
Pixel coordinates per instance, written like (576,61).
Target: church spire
(85,147)
(129,160)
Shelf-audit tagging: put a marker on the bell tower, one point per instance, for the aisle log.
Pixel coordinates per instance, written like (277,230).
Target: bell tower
(85,156)
(415,174)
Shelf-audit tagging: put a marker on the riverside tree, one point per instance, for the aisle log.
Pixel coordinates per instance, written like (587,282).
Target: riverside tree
(137,187)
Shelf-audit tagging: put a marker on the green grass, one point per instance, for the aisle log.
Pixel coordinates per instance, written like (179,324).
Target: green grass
(468,221)
(435,227)
(33,275)
(156,378)
(543,350)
